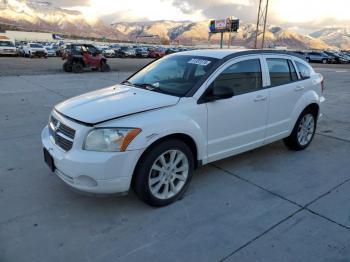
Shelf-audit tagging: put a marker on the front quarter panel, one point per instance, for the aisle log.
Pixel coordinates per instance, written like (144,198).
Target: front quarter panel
(187,117)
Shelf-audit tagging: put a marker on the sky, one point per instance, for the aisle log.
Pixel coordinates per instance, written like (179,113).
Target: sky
(293,13)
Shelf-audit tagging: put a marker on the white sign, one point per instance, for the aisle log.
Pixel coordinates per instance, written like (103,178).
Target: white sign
(199,62)
(220,24)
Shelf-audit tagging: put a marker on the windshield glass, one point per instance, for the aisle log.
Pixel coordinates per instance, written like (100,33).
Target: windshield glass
(36,46)
(6,43)
(173,75)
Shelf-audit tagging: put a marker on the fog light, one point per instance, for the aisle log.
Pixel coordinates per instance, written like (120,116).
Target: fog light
(86,181)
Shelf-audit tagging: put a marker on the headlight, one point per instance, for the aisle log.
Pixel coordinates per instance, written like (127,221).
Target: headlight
(110,139)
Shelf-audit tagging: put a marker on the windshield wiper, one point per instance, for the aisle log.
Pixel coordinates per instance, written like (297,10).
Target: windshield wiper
(127,82)
(150,87)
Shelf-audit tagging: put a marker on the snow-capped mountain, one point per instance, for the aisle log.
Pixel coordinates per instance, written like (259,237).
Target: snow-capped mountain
(197,32)
(337,36)
(44,16)
(40,15)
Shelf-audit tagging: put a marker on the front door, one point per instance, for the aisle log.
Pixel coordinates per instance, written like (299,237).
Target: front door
(238,124)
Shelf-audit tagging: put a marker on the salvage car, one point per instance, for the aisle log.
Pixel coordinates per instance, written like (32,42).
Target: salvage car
(34,50)
(125,51)
(178,113)
(7,47)
(81,56)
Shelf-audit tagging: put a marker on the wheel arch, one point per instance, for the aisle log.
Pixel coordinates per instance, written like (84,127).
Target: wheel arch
(178,136)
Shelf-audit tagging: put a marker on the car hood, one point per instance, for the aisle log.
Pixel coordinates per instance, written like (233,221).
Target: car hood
(113,102)
(37,49)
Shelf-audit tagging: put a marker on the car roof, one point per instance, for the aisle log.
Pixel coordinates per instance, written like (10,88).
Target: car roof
(224,53)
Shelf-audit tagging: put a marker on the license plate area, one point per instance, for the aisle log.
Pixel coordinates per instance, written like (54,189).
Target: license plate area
(49,160)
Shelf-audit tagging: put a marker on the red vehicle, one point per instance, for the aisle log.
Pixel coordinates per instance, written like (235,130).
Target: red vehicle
(156,53)
(80,56)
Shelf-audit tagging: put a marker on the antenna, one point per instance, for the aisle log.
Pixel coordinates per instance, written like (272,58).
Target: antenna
(261,22)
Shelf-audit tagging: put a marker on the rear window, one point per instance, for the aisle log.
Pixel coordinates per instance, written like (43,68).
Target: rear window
(280,72)
(304,70)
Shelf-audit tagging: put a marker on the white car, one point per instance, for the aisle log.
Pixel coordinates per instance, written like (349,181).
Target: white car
(34,49)
(7,47)
(178,113)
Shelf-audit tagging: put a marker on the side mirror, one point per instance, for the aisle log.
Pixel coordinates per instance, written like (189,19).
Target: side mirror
(218,93)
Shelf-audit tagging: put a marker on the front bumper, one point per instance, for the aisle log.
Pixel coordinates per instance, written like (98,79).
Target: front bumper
(92,172)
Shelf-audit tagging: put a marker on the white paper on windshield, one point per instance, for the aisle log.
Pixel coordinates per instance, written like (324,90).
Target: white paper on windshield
(199,62)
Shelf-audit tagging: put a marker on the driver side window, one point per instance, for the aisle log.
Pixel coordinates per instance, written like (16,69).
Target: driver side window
(242,77)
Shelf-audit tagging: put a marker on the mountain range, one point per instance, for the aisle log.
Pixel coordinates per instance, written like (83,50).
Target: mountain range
(43,16)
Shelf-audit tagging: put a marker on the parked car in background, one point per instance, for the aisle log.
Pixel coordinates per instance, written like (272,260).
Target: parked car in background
(171,50)
(337,57)
(51,51)
(178,113)
(318,57)
(107,51)
(141,52)
(157,52)
(7,47)
(34,50)
(126,51)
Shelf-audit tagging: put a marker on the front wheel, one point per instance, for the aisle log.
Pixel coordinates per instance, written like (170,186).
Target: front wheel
(163,174)
(303,131)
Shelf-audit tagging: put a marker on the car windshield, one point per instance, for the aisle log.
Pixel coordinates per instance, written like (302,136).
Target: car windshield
(6,43)
(173,75)
(36,46)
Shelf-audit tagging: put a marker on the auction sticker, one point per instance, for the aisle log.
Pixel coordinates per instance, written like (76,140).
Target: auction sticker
(199,62)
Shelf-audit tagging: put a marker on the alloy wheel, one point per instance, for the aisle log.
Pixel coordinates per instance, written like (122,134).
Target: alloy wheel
(168,174)
(306,129)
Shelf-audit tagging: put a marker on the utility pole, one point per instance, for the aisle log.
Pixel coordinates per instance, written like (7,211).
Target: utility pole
(261,22)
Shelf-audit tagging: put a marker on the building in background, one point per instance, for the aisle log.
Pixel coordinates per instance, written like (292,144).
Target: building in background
(28,36)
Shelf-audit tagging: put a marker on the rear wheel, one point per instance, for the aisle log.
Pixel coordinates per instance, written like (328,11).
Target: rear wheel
(163,174)
(105,67)
(303,131)
(77,67)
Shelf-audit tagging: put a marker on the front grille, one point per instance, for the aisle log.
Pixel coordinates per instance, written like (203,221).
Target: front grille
(39,53)
(62,134)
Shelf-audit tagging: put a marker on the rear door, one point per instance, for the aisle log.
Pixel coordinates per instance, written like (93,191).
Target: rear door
(285,90)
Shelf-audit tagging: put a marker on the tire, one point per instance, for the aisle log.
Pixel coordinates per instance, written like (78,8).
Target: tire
(67,67)
(324,61)
(77,67)
(295,141)
(156,194)
(105,67)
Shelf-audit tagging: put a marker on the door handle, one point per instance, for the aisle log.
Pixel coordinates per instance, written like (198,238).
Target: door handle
(260,98)
(299,88)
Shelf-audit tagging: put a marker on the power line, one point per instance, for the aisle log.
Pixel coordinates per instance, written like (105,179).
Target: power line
(261,22)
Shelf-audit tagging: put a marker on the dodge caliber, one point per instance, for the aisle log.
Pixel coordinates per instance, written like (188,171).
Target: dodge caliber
(178,113)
